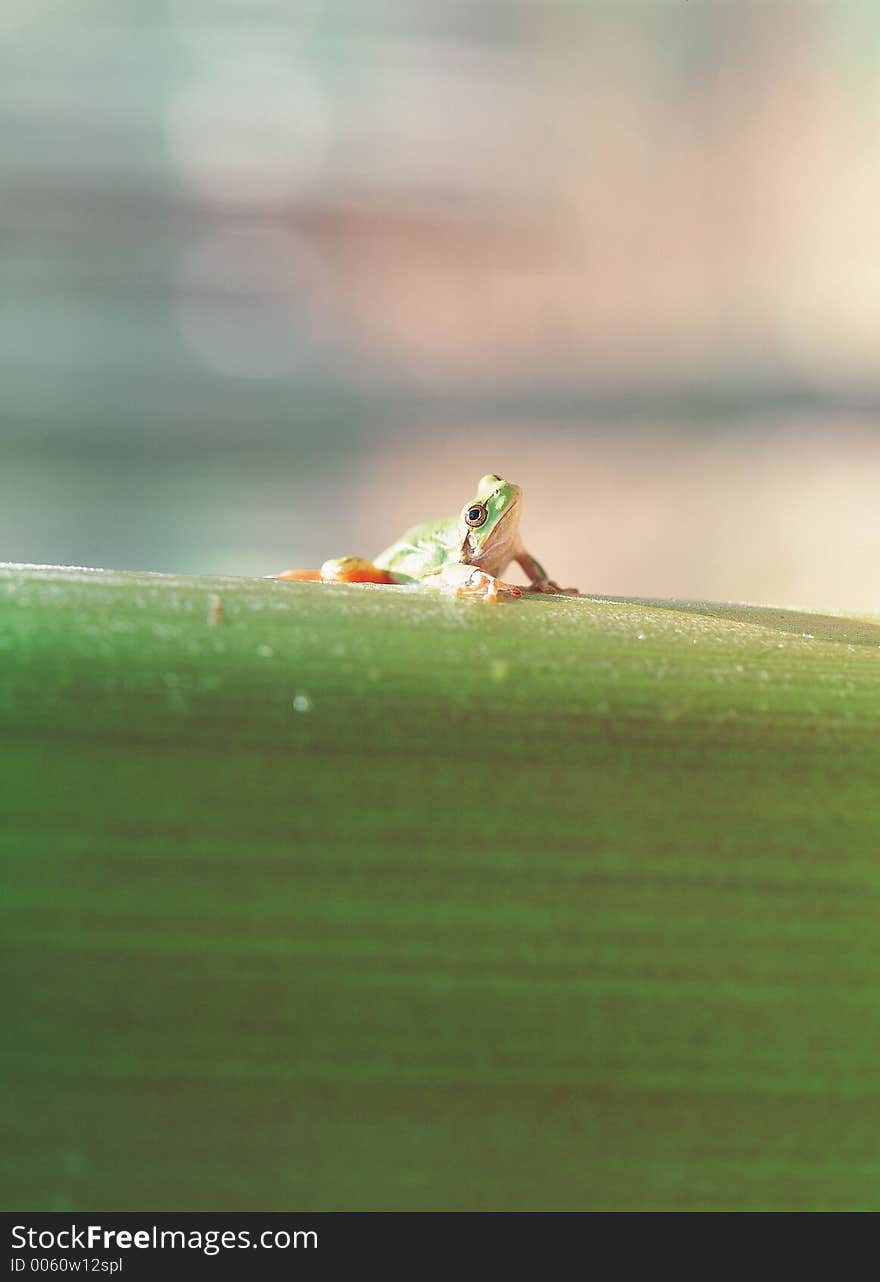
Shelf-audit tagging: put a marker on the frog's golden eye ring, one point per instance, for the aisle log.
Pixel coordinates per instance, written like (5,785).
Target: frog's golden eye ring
(476,515)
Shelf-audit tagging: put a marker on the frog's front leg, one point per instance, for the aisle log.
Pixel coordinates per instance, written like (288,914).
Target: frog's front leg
(538,578)
(469,580)
(345,569)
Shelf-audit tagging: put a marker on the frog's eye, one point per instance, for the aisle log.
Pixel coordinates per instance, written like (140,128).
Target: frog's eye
(476,515)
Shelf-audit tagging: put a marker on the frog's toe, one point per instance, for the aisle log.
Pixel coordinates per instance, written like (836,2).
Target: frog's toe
(549,588)
(484,587)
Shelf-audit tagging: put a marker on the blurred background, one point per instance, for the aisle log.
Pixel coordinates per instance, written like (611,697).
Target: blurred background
(281,277)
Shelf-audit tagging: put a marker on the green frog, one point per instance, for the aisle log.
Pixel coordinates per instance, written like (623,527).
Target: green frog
(465,554)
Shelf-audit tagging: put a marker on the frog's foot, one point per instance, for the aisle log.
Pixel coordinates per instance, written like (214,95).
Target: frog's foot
(467,580)
(344,569)
(354,569)
(484,587)
(297,574)
(550,588)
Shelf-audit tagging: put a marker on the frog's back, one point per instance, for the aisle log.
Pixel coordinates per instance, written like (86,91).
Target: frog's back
(422,549)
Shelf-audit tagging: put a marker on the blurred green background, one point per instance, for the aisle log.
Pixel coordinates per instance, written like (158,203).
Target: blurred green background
(279,279)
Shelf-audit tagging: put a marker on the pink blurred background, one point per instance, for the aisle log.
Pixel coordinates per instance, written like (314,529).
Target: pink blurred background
(280,279)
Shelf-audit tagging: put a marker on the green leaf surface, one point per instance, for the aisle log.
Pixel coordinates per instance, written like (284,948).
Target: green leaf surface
(360,898)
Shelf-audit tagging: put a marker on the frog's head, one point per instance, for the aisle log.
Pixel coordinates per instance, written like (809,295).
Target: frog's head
(491,519)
